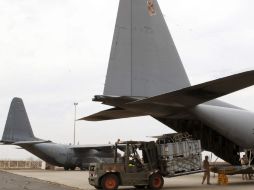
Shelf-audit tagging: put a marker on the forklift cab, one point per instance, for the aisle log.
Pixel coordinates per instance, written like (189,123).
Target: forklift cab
(136,155)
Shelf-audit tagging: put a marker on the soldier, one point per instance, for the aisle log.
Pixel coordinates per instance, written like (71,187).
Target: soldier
(244,162)
(206,167)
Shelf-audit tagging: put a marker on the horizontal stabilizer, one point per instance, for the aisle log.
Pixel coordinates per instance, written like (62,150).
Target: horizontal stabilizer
(194,95)
(114,113)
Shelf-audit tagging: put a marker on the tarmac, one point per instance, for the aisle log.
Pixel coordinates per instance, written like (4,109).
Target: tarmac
(10,181)
(74,180)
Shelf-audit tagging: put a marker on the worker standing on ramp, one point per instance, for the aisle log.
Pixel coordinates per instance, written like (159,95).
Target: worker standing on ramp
(206,167)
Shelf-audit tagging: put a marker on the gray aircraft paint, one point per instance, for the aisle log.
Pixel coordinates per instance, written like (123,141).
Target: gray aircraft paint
(142,49)
(146,77)
(236,125)
(17,116)
(18,131)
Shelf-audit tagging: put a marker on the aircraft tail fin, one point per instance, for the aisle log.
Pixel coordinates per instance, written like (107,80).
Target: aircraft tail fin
(144,60)
(17,127)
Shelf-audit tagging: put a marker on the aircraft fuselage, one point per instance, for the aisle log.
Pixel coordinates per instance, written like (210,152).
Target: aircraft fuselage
(64,156)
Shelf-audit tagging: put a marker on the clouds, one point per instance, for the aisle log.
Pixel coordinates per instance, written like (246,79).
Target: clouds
(55,52)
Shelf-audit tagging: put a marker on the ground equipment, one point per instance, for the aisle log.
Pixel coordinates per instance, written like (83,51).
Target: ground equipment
(144,164)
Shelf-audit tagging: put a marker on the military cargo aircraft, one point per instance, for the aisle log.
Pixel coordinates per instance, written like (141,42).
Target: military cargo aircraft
(146,77)
(18,132)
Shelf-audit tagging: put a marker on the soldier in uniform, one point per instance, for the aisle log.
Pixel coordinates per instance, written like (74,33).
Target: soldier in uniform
(244,162)
(206,167)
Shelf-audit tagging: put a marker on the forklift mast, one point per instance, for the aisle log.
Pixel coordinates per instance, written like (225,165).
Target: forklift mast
(150,155)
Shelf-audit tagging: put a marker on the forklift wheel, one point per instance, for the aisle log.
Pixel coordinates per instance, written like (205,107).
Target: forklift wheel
(110,182)
(156,181)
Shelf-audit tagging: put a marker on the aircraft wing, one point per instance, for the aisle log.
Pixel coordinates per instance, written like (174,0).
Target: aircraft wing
(99,147)
(96,147)
(114,113)
(194,95)
(20,143)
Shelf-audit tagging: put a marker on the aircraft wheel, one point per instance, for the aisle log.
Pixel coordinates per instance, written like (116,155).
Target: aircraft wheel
(66,168)
(83,168)
(73,168)
(156,181)
(110,182)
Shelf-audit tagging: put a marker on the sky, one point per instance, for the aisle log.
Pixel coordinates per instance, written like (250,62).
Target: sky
(55,52)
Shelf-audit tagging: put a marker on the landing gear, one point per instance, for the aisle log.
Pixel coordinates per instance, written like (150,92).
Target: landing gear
(83,168)
(73,168)
(66,168)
